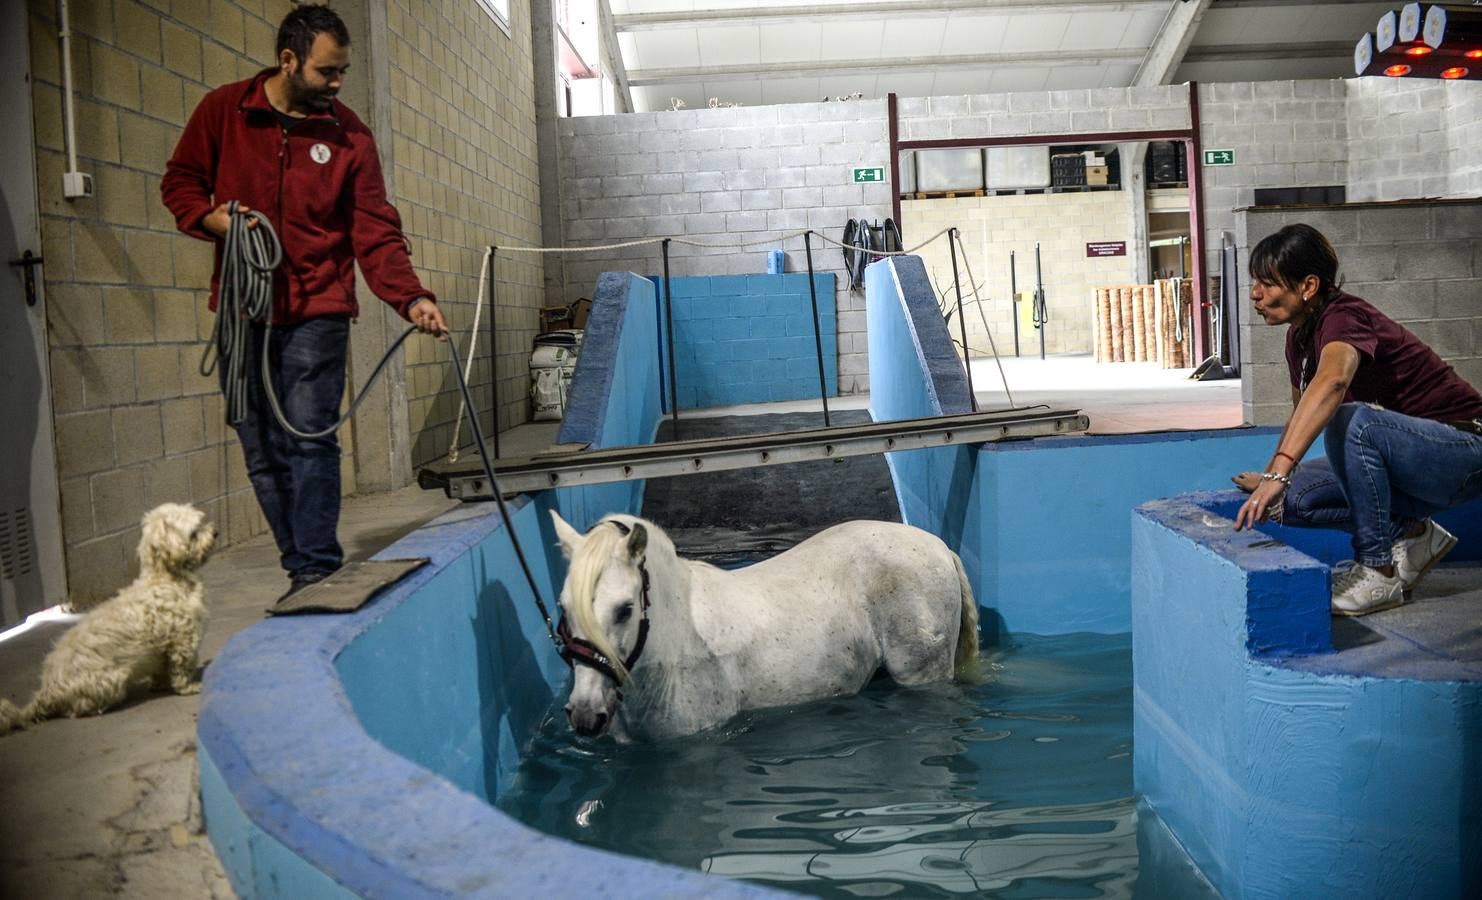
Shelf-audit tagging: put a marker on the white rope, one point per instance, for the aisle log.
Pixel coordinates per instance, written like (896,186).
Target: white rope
(473,343)
(728,245)
(968,268)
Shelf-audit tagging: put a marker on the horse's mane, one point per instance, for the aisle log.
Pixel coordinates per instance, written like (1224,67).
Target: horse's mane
(586,567)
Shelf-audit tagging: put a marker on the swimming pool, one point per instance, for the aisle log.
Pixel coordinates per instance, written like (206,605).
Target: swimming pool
(1020,785)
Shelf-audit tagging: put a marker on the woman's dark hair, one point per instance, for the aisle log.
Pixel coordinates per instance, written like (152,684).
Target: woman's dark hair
(1293,253)
(300,26)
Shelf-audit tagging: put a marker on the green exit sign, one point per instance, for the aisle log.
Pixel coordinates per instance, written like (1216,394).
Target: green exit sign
(874,173)
(1219,157)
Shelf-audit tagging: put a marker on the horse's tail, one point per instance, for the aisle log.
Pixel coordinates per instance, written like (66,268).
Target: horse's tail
(966,661)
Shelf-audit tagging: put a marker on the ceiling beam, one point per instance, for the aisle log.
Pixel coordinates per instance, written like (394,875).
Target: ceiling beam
(1170,44)
(1302,50)
(610,57)
(755,15)
(822,68)
(1258,4)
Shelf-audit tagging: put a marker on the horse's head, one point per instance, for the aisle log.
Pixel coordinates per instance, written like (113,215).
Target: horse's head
(605,616)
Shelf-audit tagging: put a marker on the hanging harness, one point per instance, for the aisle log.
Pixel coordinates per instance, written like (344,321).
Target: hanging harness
(579,651)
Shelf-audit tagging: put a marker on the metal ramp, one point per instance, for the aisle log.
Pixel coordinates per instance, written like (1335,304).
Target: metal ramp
(570,466)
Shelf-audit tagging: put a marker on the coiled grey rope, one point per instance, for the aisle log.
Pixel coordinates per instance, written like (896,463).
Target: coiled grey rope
(248,257)
(249,254)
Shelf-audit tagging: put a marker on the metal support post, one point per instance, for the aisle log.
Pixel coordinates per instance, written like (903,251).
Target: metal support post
(817,331)
(669,325)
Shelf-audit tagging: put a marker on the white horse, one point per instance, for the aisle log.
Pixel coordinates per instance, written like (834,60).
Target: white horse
(663,646)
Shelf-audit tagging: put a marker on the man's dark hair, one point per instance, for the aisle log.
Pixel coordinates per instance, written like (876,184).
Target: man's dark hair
(300,27)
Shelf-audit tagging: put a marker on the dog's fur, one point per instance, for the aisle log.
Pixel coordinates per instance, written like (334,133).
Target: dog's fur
(147,635)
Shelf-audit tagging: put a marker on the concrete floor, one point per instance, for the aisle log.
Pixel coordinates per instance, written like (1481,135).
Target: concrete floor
(108,806)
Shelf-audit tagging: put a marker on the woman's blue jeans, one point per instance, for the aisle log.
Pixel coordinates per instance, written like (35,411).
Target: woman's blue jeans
(1384,472)
(297,481)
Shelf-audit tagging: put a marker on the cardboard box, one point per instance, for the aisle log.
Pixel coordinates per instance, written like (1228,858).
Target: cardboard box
(1095,174)
(573,315)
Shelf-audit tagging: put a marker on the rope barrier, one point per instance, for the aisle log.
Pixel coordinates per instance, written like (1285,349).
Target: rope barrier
(728,245)
(473,345)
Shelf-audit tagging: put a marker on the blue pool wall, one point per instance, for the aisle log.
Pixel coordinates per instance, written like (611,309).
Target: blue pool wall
(749,339)
(1277,769)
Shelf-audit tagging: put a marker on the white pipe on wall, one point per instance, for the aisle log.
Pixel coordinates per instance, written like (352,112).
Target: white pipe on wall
(74,183)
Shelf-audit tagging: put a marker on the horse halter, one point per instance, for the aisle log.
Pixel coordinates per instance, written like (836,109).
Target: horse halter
(579,651)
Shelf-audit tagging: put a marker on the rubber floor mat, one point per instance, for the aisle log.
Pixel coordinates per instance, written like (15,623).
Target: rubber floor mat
(349,588)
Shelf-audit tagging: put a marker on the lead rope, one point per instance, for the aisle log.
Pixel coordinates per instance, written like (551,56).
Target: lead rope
(249,256)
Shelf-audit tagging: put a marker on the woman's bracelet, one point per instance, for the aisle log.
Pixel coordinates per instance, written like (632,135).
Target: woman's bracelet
(1288,456)
(1277,476)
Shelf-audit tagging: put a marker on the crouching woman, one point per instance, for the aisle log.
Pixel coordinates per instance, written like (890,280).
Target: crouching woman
(1402,430)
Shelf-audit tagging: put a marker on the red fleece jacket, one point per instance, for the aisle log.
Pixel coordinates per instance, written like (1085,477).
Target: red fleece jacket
(320,185)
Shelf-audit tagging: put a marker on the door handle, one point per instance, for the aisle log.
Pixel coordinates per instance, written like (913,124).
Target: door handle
(28,263)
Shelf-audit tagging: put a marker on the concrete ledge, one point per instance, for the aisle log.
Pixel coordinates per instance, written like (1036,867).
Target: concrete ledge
(1275,775)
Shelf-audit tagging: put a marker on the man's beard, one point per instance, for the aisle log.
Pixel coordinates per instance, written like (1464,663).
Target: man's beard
(305,97)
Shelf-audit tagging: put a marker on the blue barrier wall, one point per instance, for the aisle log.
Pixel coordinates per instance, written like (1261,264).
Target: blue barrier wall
(749,339)
(1282,779)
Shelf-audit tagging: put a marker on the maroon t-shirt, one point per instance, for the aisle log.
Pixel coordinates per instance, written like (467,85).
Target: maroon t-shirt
(1396,370)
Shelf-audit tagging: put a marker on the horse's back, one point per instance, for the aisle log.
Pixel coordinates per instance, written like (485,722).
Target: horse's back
(854,582)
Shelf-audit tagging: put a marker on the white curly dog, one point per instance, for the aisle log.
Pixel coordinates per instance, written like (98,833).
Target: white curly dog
(148,635)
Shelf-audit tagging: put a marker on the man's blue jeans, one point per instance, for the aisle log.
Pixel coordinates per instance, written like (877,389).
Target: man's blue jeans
(1384,472)
(297,481)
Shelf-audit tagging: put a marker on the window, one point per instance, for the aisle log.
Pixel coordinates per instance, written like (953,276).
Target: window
(498,10)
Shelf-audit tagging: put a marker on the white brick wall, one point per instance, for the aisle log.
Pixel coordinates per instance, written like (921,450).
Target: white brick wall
(746,175)
(992,227)
(1284,134)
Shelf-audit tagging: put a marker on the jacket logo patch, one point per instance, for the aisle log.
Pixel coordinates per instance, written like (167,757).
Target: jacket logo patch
(319,153)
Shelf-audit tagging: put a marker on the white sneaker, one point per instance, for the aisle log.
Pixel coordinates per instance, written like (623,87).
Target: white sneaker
(1414,557)
(1359,590)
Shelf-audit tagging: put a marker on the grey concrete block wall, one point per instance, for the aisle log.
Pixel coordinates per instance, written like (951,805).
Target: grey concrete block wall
(735,182)
(1417,262)
(1399,139)
(1044,112)
(1284,134)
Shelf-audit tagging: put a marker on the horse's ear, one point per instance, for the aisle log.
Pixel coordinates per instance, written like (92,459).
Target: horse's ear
(569,537)
(637,542)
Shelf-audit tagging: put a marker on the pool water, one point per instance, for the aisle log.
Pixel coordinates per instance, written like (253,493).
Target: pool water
(1019,786)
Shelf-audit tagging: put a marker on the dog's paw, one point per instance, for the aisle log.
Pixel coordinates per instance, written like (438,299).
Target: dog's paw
(193,687)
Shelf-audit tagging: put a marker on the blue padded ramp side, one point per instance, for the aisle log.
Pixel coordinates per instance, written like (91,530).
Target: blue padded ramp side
(914,367)
(613,400)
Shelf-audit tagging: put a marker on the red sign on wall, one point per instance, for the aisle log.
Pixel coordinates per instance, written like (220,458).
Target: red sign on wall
(1106,248)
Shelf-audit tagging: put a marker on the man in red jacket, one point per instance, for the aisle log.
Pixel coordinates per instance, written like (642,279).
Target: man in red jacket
(281,144)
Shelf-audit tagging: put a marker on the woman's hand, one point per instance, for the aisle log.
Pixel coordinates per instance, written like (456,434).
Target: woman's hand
(1247,481)
(1257,507)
